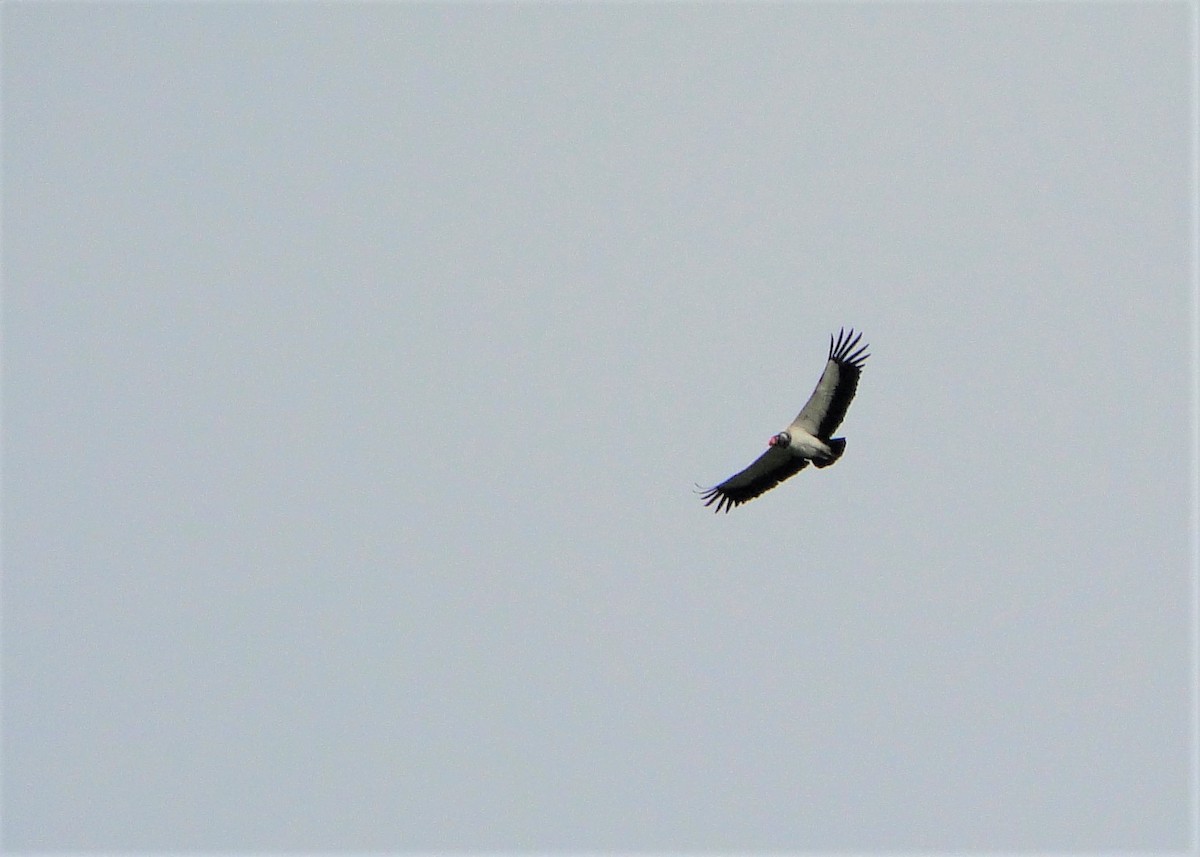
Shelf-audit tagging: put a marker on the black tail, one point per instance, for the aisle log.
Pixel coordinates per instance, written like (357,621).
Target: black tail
(838,446)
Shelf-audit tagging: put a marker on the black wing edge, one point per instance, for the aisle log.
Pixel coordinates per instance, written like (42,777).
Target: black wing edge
(724,500)
(728,498)
(840,351)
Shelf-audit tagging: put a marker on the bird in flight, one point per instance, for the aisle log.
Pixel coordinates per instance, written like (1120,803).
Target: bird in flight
(809,437)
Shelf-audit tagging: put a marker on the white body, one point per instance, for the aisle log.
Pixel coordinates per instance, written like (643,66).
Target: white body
(806,445)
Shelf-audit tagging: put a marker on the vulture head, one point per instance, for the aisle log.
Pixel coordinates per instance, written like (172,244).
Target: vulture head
(781,439)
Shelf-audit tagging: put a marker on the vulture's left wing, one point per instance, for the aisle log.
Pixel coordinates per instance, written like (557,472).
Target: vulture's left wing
(767,471)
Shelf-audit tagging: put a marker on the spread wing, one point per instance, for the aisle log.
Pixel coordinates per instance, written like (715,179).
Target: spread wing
(826,407)
(767,471)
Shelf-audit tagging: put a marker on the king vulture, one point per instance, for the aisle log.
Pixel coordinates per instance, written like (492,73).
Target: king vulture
(809,437)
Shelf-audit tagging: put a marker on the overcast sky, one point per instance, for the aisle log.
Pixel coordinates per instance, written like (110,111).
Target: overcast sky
(360,362)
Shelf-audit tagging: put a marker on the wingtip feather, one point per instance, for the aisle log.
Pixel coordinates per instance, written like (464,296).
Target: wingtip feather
(844,350)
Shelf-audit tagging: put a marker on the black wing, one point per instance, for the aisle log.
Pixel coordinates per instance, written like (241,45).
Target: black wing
(826,407)
(767,471)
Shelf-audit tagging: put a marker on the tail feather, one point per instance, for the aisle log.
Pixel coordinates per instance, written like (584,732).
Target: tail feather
(837,445)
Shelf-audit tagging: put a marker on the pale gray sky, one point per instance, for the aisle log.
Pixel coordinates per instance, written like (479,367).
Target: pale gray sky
(360,360)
